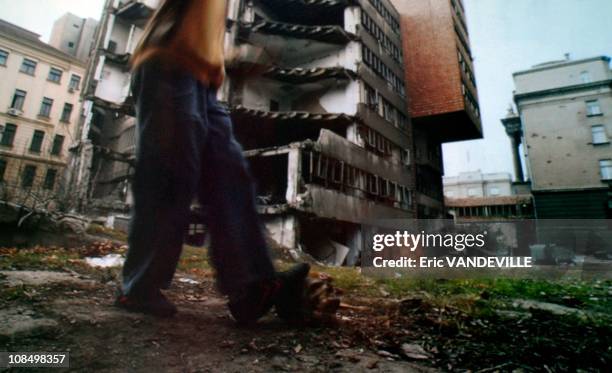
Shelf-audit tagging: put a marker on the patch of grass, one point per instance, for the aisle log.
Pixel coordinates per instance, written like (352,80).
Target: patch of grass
(587,295)
(100,230)
(194,258)
(14,293)
(350,280)
(36,258)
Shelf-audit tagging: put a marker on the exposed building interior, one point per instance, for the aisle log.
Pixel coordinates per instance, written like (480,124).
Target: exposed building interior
(318,100)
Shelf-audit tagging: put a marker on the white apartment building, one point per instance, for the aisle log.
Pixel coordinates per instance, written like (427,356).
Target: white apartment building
(39,115)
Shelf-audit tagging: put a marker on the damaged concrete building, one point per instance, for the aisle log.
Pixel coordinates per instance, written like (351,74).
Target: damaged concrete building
(318,101)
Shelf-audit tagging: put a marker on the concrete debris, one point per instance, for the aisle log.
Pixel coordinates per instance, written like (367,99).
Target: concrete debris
(553,308)
(415,351)
(73,223)
(22,322)
(37,278)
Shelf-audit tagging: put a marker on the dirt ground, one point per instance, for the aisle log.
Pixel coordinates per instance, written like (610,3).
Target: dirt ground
(51,300)
(79,318)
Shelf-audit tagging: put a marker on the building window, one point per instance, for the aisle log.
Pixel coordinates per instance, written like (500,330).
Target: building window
(58,142)
(405,157)
(28,66)
(45,107)
(70,44)
(593,108)
(605,168)
(55,75)
(3,57)
(371,98)
(66,113)
(50,179)
(402,120)
(37,141)
(18,99)
(472,192)
(388,112)
(494,191)
(8,135)
(75,81)
(2,169)
(27,178)
(112,46)
(585,77)
(599,134)
(274,106)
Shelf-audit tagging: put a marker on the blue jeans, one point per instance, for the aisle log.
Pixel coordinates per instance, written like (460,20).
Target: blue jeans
(186,149)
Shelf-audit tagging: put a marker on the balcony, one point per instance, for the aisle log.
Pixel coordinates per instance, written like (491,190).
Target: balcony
(301,175)
(311,12)
(256,129)
(298,76)
(287,42)
(137,11)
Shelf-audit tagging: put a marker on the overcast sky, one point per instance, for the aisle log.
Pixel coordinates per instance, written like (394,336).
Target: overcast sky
(506,36)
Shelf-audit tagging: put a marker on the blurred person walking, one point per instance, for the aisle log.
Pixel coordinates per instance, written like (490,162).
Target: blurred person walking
(186,149)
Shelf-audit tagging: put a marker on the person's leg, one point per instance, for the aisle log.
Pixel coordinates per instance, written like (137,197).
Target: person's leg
(238,248)
(166,177)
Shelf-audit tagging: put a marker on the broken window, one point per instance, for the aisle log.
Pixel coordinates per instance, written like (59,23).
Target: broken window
(270,174)
(405,157)
(274,106)
(322,164)
(375,141)
(336,174)
(373,185)
(371,98)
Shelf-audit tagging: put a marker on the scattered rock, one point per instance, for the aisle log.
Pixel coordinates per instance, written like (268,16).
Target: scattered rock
(408,305)
(73,224)
(22,322)
(512,315)
(350,354)
(387,354)
(37,278)
(415,351)
(553,308)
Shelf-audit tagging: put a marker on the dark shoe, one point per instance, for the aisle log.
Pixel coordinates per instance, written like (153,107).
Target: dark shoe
(155,304)
(259,297)
(289,302)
